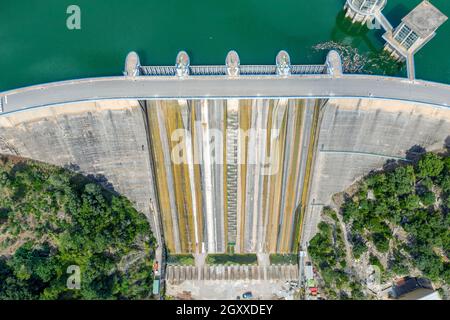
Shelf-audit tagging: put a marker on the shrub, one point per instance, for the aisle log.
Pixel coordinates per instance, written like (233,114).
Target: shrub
(181,259)
(226,259)
(283,259)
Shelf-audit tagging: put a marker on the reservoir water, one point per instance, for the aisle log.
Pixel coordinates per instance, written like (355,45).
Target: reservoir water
(37,47)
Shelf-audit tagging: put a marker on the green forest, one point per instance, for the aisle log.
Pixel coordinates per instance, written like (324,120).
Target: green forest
(53,220)
(401,214)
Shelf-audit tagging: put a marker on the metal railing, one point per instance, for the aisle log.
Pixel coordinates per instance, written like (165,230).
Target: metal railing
(217,70)
(258,70)
(158,70)
(208,70)
(309,69)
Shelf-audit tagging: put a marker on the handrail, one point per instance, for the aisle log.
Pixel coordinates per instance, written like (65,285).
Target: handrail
(217,70)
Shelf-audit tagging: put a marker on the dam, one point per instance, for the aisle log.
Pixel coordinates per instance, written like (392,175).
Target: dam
(232,158)
(231,192)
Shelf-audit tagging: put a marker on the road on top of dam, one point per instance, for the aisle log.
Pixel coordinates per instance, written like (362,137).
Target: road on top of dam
(216,87)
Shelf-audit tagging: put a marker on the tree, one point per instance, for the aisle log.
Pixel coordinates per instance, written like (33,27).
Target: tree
(403,203)
(359,247)
(446,201)
(428,262)
(411,202)
(445,183)
(404,179)
(428,198)
(74,222)
(430,165)
(381,242)
(350,210)
(373,260)
(330,212)
(398,263)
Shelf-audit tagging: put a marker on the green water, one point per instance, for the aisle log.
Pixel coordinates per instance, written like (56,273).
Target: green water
(36,47)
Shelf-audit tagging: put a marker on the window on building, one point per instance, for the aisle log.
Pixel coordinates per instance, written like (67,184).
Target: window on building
(402,34)
(368,5)
(410,40)
(406,37)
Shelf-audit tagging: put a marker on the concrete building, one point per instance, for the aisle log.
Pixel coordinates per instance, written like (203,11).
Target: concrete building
(415,30)
(362,10)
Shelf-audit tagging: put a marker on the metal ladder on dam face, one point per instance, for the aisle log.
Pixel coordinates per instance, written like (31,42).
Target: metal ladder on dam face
(232,171)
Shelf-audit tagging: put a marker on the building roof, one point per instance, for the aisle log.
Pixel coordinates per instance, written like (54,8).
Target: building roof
(424,19)
(421,294)
(414,289)
(309,274)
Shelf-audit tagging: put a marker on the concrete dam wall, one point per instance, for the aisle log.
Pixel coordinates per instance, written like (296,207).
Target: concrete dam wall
(104,139)
(226,175)
(359,135)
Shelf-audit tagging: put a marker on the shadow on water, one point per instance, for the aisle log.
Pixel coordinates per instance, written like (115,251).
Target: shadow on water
(348,33)
(396,14)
